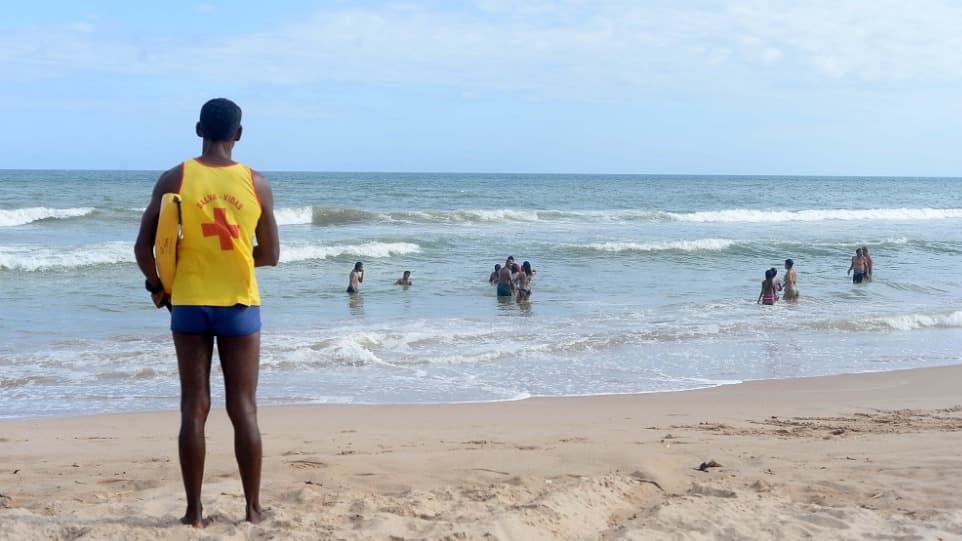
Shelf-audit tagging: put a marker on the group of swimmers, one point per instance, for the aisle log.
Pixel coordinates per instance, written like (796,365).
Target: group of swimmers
(861,267)
(513,280)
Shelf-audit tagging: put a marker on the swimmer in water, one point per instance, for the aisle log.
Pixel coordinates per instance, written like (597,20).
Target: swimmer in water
(768,295)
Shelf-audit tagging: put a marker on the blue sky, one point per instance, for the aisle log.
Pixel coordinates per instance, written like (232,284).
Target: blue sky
(620,86)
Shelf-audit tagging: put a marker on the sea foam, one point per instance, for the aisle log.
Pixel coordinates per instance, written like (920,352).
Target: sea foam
(345,216)
(895,322)
(31,259)
(23,216)
(697,245)
(816,215)
(304,252)
(294,216)
(909,322)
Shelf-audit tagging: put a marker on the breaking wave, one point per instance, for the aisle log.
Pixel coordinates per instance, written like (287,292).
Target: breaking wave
(33,259)
(346,216)
(305,252)
(23,216)
(899,322)
(746,215)
(698,245)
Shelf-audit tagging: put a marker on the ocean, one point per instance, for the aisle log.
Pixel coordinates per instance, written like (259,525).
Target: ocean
(644,283)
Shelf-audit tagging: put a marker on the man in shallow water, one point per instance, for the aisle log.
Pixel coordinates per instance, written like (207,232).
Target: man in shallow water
(868,263)
(214,295)
(404,280)
(506,279)
(857,268)
(355,278)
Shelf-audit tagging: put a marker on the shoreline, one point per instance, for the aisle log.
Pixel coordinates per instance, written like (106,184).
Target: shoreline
(262,407)
(829,456)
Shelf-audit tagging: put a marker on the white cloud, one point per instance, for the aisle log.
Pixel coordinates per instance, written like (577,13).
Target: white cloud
(771,55)
(82,27)
(206,9)
(883,40)
(602,48)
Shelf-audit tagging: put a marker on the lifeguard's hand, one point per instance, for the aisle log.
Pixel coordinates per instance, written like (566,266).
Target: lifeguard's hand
(160,299)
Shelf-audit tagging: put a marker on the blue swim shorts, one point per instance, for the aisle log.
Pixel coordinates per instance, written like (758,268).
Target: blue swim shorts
(237,320)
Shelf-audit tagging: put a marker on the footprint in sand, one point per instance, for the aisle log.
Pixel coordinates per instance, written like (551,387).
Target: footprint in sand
(306,464)
(297,452)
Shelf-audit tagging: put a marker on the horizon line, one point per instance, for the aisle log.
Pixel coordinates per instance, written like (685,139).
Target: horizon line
(610,174)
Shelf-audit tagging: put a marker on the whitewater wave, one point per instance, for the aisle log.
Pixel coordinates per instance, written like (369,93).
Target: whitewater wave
(747,215)
(305,252)
(378,345)
(698,245)
(294,216)
(33,259)
(897,322)
(744,246)
(320,216)
(909,322)
(347,216)
(23,216)
(472,216)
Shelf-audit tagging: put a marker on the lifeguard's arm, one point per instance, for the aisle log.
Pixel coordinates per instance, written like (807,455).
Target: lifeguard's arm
(850,267)
(168,182)
(268,249)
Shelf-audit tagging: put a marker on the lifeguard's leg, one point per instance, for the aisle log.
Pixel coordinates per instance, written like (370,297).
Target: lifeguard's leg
(194,353)
(239,359)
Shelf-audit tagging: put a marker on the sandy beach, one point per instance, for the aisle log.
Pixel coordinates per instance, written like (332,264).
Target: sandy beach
(864,456)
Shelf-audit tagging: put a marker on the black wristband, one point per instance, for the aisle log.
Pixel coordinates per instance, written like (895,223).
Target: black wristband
(153,289)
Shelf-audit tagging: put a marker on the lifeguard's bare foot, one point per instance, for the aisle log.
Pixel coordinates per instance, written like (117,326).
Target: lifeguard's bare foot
(194,518)
(253,514)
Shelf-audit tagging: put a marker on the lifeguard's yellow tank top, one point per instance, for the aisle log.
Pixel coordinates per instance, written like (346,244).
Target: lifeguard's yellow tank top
(215,258)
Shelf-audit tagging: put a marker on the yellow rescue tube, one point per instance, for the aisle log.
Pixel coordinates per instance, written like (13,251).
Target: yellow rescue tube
(169,232)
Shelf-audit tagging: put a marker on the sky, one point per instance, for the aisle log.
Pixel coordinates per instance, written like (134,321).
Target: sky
(568,86)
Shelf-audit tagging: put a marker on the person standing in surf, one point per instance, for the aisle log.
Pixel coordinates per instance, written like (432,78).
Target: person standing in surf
(355,278)
(505,279)
(524,281)
(493,277)
(790,285)
(769,293)
(857,268)
(868,263)
(214,297)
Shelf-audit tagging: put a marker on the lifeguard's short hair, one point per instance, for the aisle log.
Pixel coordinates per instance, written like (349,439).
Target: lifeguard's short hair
(220,119)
